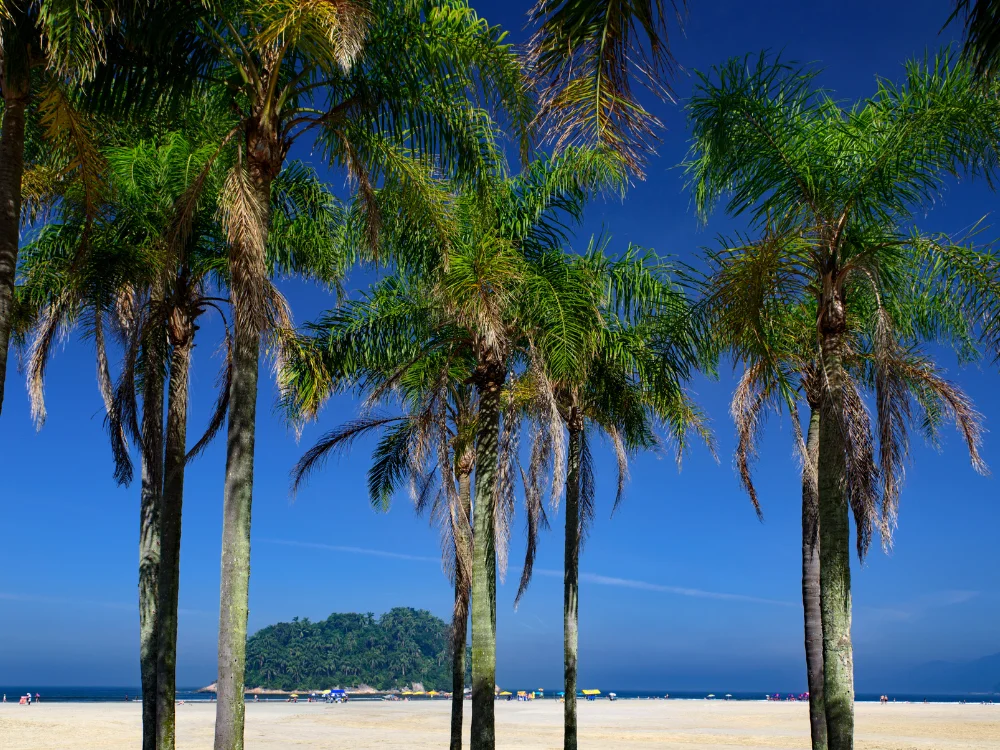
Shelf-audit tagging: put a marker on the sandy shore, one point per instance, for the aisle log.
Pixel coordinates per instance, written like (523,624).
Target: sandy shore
(690,725)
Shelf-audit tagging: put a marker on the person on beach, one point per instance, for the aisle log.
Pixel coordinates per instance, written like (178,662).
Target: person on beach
(29,698)
(38,698)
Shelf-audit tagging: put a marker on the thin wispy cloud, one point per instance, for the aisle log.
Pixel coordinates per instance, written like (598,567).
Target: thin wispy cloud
(6,596)
(629,583)
(922,604)
(350,550)
(37,599)
(601,580)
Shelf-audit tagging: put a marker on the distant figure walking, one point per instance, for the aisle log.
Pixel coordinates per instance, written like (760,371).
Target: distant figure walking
(38,698)
(29,698)
(126,697)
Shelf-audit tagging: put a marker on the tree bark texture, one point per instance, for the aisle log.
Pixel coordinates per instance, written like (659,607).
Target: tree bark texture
(248,278)
(571,582)
(172,508)
(811,601)
(460,623)
(484,565)
(835,555)
(150,530)
(11,171)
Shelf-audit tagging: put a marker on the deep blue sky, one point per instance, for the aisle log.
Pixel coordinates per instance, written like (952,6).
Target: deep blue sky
(683,589)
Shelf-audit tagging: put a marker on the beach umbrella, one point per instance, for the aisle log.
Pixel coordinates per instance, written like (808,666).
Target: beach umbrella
(591,692)
(711,695)
(561,694)
(294,695)
(433,692)
(506,692)
(325,692)
(729,695)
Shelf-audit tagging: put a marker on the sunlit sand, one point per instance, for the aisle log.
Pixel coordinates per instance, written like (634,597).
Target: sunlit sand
(690,725)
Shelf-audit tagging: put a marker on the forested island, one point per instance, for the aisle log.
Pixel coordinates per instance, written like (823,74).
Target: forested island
(402,647)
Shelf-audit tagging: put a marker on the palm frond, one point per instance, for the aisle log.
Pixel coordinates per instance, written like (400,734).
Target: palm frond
(584,56)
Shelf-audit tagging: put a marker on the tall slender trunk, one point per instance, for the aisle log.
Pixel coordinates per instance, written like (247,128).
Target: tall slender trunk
(460,621)
(811,602)
(11,171)
(835,554)
(172,507)
(484,563)
(150,529)
(571,580)
(248,276)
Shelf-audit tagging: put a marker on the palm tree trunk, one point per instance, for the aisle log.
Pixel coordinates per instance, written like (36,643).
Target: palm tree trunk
(11,170)
(484,565)
(835,556)
(571,581)
(460,623)
(811,602)
(150,530)
(248,269)
(173,501)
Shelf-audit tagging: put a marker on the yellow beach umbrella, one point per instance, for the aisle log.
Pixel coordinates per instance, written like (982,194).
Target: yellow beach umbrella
(591,692)
(407,692)
(506,692)
(325,692)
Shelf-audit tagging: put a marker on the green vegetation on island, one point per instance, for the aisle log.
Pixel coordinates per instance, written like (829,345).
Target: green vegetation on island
(401,647)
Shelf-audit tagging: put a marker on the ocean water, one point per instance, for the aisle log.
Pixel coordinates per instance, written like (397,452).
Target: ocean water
(77,694)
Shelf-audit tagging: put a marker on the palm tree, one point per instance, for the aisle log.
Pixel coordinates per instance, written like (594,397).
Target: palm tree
(482,300)
(841,186)
(629,381)
(584,57)
(294,68)
(173,257)
(430,444)
(781,371)
(45,47)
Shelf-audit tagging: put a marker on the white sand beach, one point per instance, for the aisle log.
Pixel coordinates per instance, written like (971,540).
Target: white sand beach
(687,725)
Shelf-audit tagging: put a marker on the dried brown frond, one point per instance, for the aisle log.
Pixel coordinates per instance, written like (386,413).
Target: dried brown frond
(863,478)
(243,213)
(749,405)
(41,188)
(534,508)
(503,495)
(892,404)
(358,174)
(185,208)
(47,331)
(116,430)
(621,456)
(68,133)
(333,29)
(551,429)
(939,397)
